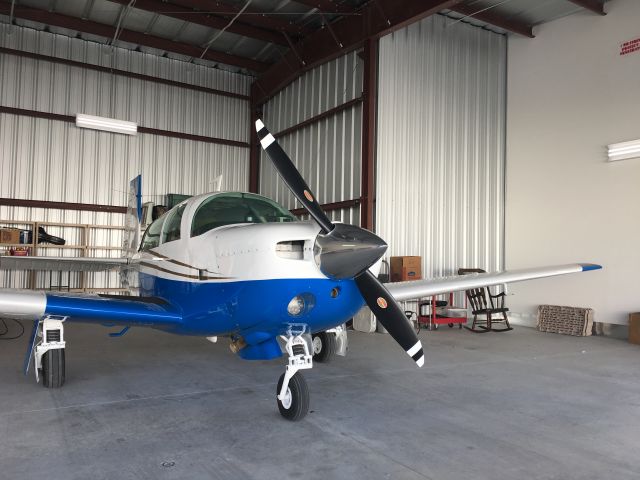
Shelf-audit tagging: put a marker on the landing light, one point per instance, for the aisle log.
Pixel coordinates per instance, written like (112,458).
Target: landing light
(296,306)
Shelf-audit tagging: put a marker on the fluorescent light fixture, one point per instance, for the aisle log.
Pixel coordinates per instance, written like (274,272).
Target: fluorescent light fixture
(624,150)
(106,124)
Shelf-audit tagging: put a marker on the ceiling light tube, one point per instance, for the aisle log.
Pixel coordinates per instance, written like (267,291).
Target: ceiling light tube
(624,150)
(106,124)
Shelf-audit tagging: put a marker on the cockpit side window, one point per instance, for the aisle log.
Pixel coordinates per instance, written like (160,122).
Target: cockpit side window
(151,237)
(171,230)
(233,208)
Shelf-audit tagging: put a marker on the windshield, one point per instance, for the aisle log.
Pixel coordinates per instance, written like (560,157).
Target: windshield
(231,208)
(151,237)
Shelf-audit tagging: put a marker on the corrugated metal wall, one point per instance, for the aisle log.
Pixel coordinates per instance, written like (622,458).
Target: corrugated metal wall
(327,153)
(52,160)
(440,152)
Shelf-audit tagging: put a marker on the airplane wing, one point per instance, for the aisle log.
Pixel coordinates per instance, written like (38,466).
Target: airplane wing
(89,308)
(426,288)
(65,264)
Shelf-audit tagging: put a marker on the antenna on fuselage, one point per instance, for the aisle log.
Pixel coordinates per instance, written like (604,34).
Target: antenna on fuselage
(217,184)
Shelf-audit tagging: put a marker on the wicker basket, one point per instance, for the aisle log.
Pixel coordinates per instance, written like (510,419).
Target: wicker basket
(565,320)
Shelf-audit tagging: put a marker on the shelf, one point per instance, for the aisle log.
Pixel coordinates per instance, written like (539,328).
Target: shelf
(81,245)
(43,245)
(73,247)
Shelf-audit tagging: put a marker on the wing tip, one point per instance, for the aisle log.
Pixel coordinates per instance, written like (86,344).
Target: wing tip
(586,267)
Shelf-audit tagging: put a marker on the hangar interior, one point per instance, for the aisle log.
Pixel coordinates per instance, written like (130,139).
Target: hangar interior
(469,133)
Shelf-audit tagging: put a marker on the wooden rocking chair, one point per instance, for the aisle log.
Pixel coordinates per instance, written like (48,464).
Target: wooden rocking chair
(483,302)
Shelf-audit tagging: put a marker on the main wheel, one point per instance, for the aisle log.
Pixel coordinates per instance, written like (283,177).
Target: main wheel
(53,368)
(324,346)
(295,405)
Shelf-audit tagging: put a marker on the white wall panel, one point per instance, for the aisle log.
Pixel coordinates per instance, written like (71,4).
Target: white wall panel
(440,151)
(571,93)
(327,153)
(56,161)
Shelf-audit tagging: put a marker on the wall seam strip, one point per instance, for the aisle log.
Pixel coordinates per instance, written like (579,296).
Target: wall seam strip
(320,116)
(151,131)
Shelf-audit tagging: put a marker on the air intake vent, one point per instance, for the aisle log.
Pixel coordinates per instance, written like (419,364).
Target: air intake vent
(293,250)
(53,335)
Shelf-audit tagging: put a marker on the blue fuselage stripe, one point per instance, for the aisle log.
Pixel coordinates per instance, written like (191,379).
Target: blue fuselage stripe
(254,308)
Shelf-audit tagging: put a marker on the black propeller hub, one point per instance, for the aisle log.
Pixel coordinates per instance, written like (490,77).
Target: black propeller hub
(347,251)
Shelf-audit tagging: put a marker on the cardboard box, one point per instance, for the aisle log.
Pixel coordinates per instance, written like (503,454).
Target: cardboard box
(634,328)
(9,235)
(406,268)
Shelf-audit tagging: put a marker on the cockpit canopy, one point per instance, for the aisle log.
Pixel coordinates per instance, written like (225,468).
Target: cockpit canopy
(217,210)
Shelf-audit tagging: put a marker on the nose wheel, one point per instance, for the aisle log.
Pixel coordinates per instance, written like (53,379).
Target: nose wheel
(295,402)
(292,393)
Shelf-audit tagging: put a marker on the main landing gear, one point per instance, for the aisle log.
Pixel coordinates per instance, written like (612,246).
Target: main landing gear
(48,352)
(292,392)
(327,344)
(324,346)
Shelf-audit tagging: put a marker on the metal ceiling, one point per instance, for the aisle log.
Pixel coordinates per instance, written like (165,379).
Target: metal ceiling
(525,12)
(245,36)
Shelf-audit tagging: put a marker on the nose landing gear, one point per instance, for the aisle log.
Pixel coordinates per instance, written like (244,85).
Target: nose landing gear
(292,392)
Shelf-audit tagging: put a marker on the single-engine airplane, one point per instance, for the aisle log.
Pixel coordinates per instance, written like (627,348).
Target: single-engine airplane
(240,265)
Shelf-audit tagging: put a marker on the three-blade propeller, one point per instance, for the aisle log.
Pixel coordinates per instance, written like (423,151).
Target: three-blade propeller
(346,251)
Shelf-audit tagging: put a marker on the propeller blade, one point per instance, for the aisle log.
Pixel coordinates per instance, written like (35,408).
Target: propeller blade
(292,177)
(389,314)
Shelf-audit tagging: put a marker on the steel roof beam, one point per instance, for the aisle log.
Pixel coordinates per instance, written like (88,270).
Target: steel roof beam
(139,38)
(326,6)
(596,6)
(192,16)
(116,71)
(494,18)
(351,31)
(250,15)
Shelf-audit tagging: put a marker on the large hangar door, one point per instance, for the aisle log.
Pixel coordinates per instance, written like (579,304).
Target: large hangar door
(440,145)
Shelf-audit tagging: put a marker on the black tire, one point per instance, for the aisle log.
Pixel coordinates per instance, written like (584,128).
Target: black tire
(450,325)
(53,368)
(327,349)
(299,401)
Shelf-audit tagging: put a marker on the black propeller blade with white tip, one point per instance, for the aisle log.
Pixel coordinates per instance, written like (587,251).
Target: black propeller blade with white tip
(377,297)
(292,177)
(389,314)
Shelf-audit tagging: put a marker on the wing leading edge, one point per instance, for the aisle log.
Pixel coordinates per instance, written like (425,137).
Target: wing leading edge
(426,288)
(90,308)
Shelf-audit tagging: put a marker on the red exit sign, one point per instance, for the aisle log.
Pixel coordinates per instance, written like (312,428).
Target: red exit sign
(630,46)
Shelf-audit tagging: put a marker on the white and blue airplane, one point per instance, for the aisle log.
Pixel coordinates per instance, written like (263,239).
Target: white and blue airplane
(241,266)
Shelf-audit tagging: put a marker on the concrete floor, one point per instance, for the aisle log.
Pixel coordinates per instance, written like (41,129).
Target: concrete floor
(149,405)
